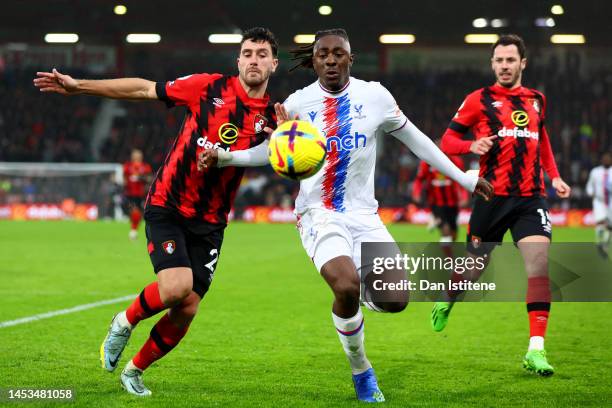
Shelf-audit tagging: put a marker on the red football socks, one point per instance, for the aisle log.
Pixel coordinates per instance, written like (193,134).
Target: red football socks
(147,304)
(538,305)
(135,217)
(164,337)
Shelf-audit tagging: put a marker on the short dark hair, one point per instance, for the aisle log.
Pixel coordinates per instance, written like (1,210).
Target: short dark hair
(511,39)
(304,54)
(259,34)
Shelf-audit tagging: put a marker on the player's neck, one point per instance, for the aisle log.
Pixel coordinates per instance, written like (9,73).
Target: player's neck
(336,88)
(254,91)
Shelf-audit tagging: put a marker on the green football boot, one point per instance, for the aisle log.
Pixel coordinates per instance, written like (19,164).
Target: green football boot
(439,315)
(535,361)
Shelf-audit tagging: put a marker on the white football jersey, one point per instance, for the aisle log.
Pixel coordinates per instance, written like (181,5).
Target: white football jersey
(599,185)
(351,120)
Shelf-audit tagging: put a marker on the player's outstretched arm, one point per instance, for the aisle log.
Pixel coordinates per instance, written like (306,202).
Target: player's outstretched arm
(253,157)
(121,88)
(427,150)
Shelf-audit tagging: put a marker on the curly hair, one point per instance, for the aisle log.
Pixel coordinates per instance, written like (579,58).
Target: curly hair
(259,34)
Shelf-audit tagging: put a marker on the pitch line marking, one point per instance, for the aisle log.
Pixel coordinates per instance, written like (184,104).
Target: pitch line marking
(60,312)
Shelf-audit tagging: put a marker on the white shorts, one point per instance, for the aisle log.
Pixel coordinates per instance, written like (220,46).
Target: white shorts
(602,212)
(329,234)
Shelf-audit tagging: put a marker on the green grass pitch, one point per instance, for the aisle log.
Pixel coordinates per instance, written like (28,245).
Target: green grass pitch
(264,335)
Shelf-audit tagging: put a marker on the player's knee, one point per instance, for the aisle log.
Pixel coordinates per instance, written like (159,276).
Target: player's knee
(393,307)
(537,267)
(189,308)
(175,294)
(347,291)
(175,284)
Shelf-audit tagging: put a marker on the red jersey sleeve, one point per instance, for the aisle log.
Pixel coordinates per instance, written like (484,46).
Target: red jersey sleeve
(466,116)
(546,154)
(184,91)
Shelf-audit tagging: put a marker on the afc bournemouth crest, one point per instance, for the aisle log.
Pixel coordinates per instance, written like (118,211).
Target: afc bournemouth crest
(260,123)
(169,247)
(476,241)
(535,104)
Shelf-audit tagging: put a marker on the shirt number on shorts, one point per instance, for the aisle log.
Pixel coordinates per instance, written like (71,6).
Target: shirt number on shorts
(545,220)
(211,265)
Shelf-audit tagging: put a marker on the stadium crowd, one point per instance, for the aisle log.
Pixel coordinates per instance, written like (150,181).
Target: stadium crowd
(53,130)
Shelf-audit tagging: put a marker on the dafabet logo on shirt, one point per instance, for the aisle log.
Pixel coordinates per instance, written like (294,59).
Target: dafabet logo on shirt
(228,133)
(519,118)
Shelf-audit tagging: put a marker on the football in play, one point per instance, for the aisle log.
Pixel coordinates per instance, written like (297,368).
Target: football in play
(297,150)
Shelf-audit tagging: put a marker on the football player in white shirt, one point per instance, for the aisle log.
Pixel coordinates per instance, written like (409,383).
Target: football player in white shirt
(336,207)
(599,187)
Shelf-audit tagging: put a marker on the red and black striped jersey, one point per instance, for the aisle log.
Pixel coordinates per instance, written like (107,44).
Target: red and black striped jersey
(442,191)
(522,147)
(220,114)
(136,177)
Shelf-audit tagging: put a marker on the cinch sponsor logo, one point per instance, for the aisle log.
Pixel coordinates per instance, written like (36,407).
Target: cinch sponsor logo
(203,142)
(516,132)
(347,142)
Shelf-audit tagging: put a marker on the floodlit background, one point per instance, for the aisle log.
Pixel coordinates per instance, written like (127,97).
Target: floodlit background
(265,335)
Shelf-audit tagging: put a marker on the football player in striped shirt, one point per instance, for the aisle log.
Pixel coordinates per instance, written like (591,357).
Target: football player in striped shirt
(508,123)
(187,208)
(444,196)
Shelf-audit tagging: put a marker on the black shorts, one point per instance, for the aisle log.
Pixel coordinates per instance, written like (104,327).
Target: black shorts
(132,202)
(446,215)
(523,216)
(174,241)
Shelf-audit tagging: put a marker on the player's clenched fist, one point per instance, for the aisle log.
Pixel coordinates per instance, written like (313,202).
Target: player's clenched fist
(483,145)
(484,189)
(208,158)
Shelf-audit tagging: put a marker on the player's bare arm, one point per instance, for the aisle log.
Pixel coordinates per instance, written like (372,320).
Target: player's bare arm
(121,88)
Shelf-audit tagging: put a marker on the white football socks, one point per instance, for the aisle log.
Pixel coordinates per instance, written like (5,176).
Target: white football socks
(123,321)
(536,343)
(350,332)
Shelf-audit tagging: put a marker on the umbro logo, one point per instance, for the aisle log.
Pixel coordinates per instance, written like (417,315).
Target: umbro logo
(218,102)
